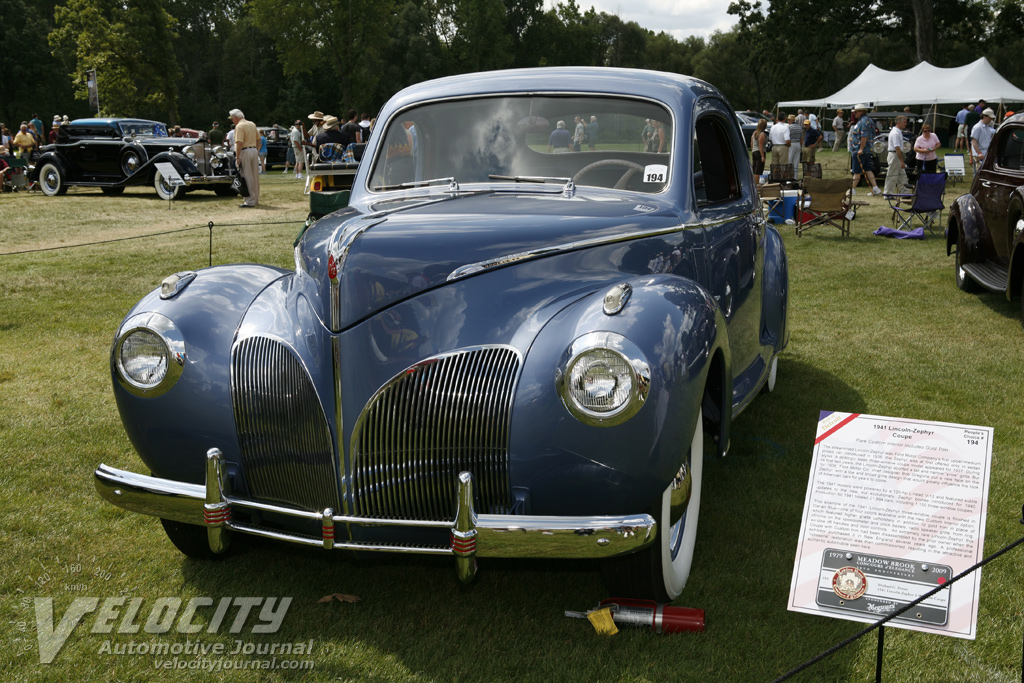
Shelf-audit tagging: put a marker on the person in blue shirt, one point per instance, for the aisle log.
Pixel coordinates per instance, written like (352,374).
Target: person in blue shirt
(962,131)
(263,152)
(560,139)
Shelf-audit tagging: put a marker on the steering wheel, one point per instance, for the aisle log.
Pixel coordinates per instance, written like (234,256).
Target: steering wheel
(631,168)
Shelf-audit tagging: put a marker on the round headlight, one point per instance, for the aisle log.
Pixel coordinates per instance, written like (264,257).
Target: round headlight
(148,354)
(600,380)
(215,162)
(604,380)
(190,152)
(143,357)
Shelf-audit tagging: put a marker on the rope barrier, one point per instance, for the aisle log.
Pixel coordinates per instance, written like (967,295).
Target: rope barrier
(881,622)
(209,226)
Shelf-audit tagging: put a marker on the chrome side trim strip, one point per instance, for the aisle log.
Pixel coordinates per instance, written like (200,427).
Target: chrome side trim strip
(471,268)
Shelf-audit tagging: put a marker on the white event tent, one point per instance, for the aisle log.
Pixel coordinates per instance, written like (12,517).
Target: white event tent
(923,84)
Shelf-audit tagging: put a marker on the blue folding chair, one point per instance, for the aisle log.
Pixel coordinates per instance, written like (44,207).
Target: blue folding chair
(924,205)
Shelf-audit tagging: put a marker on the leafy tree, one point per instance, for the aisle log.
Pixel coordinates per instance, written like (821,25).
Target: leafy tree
(130,44)
(31,79)
(346,36)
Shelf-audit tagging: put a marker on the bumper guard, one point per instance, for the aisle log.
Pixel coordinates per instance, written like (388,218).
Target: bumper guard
(471,534)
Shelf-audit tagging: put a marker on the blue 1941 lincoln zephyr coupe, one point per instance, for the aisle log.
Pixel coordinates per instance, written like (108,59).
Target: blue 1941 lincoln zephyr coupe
(501,348)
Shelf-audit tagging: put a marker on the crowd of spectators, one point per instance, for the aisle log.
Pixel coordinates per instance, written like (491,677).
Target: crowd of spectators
(795,138)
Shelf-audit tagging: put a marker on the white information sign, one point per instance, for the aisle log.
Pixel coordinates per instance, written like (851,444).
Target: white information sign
(170,174)
(894,508)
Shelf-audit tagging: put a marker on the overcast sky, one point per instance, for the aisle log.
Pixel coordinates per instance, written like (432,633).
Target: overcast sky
(678,18)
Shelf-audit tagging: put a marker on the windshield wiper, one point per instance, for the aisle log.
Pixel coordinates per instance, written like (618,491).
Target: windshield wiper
(568,187)
(452,185)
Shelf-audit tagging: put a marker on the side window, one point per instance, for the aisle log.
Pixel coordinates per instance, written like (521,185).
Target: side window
(1012,150)
(714,168)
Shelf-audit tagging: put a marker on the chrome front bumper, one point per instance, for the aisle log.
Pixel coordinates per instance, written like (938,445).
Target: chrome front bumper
(471,535)
(207,179)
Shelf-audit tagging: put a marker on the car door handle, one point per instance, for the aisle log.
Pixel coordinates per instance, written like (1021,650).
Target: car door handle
(985,183)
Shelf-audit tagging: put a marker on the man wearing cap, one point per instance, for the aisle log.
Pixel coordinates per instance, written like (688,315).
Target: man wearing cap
(812,139)
(247,156)
(981,135)
(861,135)
(216,135)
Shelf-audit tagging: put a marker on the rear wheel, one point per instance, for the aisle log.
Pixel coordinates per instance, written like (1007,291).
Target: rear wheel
(659,571)
(51,180)
(164,190)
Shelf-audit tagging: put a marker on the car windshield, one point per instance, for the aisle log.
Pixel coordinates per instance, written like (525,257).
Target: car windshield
(143,129)
(600,141)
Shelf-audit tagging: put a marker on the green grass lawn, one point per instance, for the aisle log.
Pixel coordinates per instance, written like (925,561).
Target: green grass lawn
(878,327)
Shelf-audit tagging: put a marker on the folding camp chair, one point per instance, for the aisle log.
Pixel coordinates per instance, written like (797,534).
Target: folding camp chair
(824,202)
(812,171)
(953,165)
(782,174)
(771,199)
(924,205)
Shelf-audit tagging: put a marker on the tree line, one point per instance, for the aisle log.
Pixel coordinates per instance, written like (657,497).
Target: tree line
(190,61)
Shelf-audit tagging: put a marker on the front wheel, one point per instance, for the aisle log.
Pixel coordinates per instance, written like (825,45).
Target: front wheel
(51,180)
(190,539)
(164,190)
(659,571)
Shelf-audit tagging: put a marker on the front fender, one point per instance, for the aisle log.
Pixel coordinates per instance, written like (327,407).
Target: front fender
(182,164)
(968,223)
(775,292)
(173,431)
(613,469)
(51,157)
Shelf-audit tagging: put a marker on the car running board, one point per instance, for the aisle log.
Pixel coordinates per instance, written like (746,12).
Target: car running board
(989,275)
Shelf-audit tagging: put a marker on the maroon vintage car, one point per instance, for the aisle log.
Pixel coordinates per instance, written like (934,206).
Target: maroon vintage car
(986,227)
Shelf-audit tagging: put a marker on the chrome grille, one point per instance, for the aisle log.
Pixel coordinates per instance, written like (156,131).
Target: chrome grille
(445,415)
(282,431)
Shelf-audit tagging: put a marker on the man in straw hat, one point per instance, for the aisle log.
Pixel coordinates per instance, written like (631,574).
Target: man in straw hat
(317,118)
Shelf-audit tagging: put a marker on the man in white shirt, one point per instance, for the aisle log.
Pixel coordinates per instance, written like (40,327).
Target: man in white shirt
(839,126)
(896,174)
(779,135)
(981,136)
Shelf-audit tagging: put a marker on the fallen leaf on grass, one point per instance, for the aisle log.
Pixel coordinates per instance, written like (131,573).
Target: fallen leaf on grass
(340,597)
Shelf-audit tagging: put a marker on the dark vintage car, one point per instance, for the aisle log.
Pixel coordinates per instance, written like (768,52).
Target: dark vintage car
(277,145)
(500,348)
(986,227)
(114,153)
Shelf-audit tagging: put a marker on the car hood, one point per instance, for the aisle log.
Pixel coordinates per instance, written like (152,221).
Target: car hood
(388,256)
